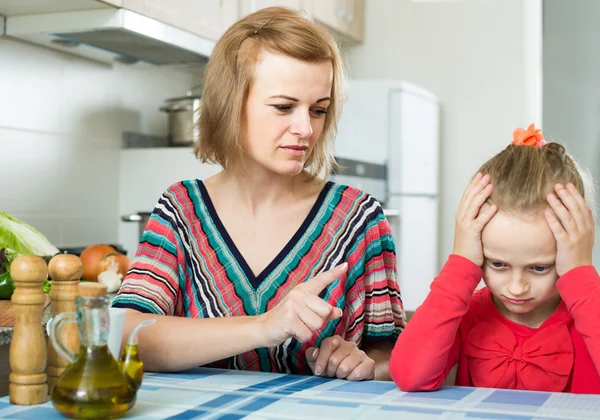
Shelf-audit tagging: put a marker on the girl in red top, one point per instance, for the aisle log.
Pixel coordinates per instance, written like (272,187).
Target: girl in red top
(523,226)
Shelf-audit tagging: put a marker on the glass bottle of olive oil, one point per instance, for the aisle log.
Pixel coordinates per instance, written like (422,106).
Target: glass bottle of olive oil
(93,386)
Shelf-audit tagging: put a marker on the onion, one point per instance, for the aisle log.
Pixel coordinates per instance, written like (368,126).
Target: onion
(121,260)
(91,257)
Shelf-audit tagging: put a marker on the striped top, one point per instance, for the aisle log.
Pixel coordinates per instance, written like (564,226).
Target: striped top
(187,265)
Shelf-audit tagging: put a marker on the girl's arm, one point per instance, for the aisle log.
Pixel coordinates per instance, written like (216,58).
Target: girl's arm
(429,346)
(580,289)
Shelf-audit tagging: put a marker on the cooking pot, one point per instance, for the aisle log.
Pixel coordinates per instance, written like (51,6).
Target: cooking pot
(139,217)
(183,119)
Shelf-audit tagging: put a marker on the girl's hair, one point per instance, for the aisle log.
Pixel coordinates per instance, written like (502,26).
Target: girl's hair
(229,76)
(523,175)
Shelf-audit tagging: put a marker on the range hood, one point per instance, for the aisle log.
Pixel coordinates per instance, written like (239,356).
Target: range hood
(109,35)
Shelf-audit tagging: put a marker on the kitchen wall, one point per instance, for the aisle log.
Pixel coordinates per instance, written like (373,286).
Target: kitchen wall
(572,82)
(61,124)
(481,58)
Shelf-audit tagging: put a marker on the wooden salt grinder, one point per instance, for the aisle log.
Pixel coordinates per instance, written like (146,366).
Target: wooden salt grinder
(65,271)
(27,352)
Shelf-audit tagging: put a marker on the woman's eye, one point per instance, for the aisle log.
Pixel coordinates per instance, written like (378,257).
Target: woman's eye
(282,108)
(319,112)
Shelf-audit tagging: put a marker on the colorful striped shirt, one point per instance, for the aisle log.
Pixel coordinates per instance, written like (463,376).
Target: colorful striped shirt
(187,265)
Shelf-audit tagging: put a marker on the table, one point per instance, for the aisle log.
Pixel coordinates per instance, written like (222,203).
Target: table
(203,393)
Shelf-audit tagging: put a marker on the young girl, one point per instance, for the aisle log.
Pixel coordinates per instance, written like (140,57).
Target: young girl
(524,226)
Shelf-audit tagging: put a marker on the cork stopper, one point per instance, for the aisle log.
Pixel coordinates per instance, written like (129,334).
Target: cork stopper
(92,290)
(65,267)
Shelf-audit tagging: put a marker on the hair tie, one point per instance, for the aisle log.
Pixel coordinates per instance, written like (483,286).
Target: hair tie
(530,137)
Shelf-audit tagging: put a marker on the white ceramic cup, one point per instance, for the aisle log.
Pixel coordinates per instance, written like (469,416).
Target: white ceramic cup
(115,332)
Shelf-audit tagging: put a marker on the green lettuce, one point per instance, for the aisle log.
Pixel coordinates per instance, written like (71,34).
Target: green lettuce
(22,239)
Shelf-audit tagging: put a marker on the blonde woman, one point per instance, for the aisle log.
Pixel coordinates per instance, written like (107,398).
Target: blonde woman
(266,266)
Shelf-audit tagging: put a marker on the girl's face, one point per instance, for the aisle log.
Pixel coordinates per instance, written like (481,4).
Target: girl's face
(520,252)
(285,111)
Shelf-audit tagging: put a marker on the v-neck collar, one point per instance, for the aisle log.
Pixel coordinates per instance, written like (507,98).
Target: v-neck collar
(256,281)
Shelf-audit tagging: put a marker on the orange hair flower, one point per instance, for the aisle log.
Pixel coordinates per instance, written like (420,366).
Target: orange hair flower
(530,137)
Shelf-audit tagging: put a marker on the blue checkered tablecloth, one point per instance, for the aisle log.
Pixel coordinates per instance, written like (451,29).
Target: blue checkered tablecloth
(223,394)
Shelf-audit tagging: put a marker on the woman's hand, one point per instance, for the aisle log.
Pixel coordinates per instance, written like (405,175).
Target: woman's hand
(573,227)
(301,312)
(342,359)
(472,216)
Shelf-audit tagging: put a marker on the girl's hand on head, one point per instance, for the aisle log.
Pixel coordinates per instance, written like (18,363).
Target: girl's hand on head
(472,216)
(573,227)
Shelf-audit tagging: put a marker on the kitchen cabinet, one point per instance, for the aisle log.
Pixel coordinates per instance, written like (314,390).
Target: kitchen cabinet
(251,6)
(116,3)
(30,7)
(344,17)
(208,18)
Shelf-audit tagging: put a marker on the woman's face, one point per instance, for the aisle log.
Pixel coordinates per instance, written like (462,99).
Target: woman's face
(285,111)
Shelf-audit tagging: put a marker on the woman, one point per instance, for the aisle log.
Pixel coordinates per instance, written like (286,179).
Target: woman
(266,266)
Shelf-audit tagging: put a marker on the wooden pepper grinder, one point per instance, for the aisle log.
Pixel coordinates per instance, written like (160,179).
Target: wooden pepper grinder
(28,353)
(65,271)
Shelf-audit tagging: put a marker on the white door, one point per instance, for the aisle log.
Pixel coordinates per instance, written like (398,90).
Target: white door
(416,237)
(414,144)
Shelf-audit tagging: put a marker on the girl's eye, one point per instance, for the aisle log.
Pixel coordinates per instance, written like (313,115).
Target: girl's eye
(539,268)
(496,264)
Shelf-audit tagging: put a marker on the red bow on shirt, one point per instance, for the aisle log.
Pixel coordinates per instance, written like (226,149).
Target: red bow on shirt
(542,363)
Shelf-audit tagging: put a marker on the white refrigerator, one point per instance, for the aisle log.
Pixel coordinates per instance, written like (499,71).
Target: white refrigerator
(397,124)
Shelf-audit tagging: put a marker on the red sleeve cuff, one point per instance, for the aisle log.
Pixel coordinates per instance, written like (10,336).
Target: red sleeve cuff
(467,268)
(578,283)
(459,277)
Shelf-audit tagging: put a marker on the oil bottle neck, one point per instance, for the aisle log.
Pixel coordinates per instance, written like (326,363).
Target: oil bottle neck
(93,321)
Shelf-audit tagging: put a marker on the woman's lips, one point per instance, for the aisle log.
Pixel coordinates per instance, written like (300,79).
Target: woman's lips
(295,150)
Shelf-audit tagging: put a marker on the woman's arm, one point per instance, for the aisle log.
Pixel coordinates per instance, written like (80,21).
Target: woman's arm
(175,343)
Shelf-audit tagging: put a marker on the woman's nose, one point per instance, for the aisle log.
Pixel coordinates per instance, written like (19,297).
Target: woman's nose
(302,125)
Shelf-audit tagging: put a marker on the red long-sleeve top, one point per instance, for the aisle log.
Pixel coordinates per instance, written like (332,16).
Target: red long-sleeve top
(456,325)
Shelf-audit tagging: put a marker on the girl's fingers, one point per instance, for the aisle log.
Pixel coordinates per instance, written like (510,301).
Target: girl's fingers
(478,201)
(587,213)
(573,206)
(563,215)
(473,182)
(470,194)
(555,226)
(486,214)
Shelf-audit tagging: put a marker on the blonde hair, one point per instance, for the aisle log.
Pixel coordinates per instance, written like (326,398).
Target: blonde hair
(524,175)
(229,76)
